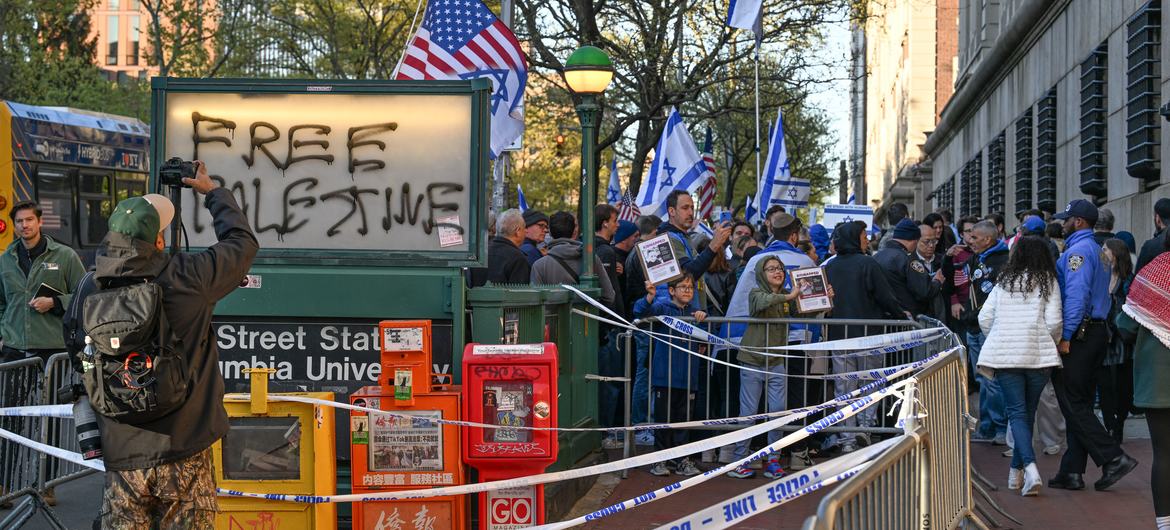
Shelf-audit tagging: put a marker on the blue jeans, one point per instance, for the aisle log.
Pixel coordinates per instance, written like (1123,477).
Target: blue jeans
(992,420)
(640,392)
(610,360)
(751,385)
(1021,389)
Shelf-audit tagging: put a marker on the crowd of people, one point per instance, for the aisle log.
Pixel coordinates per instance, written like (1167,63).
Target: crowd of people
(1046,312)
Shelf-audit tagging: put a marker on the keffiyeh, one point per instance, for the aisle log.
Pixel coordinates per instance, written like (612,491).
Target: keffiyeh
(1149,298)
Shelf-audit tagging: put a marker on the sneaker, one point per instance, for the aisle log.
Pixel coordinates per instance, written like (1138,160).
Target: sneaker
(659,470)
(799,460)
(1015,478)
(773,469)
(1052,450)
(849,446)
(613,442)
(644,438)
(687,468)
(862,439)
(1032,481)
(708,456)
(1009,453)
(1000,439)
(741,472)
(727,454)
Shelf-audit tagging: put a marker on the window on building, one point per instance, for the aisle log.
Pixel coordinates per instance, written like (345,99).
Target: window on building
(1024,162)
(114,5)
(1143,75)
(133,37)
(1094,71)
(1046,153)
(996,175)
(971,184)
(944,195)
(112,40)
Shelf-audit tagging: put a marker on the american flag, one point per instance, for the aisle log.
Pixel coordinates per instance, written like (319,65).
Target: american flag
(627,210)
(462,39)
(707,190)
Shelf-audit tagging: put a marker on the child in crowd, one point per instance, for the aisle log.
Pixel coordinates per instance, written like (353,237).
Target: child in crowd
(675,378)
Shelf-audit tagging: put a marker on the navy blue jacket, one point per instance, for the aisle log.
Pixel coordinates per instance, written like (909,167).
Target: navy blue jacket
(669,366)
(1084,282)
(528,247)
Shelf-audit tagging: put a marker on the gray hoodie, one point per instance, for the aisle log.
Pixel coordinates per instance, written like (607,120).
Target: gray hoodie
(549,271)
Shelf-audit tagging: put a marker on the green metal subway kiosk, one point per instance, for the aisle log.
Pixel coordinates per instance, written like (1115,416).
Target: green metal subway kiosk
(367,198)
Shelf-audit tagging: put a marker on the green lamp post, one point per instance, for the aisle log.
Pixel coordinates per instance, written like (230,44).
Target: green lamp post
(588,72)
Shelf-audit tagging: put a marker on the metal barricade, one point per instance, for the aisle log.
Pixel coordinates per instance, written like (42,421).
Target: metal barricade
(943,498)
(21,385)
(884,494)
(60,432)
(713,390)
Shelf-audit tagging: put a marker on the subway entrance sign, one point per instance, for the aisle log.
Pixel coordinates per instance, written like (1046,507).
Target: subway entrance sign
(367,199)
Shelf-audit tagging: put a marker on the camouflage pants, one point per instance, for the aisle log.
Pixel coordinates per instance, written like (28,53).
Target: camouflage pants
(174,496)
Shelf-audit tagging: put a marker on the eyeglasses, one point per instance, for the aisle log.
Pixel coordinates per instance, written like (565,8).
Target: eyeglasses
(683,288)
(928,241)
(542,226)
(770,270)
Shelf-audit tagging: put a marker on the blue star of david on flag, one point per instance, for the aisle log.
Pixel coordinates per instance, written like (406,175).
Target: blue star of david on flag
(777,185)
(613,193)
(678,147)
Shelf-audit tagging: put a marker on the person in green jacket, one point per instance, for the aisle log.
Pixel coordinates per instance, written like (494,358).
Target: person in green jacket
(37,277)
(768,299)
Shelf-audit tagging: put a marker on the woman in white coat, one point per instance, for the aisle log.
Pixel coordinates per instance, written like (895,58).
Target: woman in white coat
(1022,322)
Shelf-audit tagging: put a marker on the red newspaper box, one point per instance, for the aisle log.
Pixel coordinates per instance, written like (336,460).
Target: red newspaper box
(513,385)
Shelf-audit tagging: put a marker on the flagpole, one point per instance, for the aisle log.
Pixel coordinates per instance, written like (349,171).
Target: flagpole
(757,37)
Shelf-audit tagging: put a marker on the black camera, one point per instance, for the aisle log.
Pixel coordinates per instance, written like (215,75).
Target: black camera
(174,170)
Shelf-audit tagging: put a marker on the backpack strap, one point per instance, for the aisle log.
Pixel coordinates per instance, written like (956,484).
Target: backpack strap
(572,274)
(85,287)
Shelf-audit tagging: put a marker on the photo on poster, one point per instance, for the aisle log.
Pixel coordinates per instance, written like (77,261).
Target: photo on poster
(812,288)
(508,404)
(658,259)
(399,443)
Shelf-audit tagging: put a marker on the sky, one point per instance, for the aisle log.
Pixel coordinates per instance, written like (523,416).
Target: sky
(831,95)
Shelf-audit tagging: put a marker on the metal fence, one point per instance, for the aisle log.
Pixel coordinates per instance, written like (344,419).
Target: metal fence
(659,378)
(60,432)
(925,480)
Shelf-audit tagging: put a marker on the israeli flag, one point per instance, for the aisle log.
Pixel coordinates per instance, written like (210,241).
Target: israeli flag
(677,166)
(613,194)
(520,198)
(777,186)
(744,13)
(750,214)
(852,199)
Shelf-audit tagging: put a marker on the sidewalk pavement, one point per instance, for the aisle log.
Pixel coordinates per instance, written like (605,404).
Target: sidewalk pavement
(1126,505)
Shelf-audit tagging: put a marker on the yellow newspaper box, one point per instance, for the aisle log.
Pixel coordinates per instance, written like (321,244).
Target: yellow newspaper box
(276,447)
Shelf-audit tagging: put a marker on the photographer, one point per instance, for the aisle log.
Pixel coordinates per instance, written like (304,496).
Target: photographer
(159,472)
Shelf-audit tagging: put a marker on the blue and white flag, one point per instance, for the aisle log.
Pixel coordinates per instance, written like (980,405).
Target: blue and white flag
(744,13)
(750,213)
(520,199)
(613,194)
(852,199)
(777,186)
(677,166)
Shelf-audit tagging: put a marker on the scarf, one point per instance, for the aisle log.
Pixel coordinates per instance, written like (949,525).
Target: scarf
(1149,298)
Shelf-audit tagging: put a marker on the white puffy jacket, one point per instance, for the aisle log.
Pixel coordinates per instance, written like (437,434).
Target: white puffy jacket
(1021,329)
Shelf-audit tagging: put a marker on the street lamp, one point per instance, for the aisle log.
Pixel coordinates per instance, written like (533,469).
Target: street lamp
(588,72)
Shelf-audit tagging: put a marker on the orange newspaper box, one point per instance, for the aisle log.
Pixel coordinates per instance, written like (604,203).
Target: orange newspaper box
(512,385)
(407,450)
(404,452)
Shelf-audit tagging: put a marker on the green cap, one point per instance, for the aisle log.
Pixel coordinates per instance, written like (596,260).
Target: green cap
(136,218)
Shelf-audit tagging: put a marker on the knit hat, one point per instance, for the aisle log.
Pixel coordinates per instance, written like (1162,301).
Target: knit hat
(625,230)
(1149,298)
(1130,242)
(907,230)
(1035,224)
(135,217)
(532,217)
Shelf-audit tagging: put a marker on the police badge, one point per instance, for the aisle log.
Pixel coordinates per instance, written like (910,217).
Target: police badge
(1075,262)
(917,266)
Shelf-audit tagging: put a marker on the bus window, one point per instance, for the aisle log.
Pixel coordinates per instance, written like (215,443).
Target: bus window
(128,185)
(55,197)
(94,200)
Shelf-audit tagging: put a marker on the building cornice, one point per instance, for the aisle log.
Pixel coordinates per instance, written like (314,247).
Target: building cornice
(1028,24)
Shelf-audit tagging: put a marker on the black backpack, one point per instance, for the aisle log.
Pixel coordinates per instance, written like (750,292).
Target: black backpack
(134,371)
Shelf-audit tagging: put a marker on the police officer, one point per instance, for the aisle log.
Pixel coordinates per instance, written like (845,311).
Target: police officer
(1084,290)
(913,286)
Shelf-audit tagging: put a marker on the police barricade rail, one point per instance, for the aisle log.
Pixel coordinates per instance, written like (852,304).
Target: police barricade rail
(21,385)
(61,433)
(926,481)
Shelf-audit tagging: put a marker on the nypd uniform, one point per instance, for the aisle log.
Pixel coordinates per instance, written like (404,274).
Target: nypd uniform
(1084,288)
(908,278)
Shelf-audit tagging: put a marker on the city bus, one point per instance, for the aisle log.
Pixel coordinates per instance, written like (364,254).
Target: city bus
(75,164)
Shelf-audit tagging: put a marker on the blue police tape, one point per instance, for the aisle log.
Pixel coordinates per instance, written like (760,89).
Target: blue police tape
(854,406)
(39,411)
